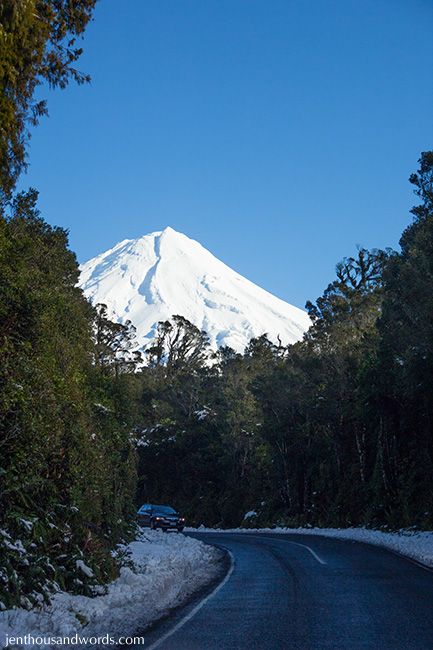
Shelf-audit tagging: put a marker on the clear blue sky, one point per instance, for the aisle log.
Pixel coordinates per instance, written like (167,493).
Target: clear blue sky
(279,133)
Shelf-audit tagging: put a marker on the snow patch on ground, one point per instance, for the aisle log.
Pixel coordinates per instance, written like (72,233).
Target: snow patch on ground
(165,570)
(250,514)
(417,545)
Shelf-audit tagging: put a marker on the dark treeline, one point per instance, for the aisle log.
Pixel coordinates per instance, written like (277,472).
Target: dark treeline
(335,430)
(67,463)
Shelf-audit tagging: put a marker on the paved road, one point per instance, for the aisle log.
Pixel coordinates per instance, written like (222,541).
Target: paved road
(308,593)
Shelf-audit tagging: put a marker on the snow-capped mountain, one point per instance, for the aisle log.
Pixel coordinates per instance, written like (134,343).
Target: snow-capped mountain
(152,278)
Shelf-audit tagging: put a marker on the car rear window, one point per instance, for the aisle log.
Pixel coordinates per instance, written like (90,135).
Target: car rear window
(165,510)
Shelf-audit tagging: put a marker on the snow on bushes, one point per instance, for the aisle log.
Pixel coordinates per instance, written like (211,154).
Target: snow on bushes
(162,570)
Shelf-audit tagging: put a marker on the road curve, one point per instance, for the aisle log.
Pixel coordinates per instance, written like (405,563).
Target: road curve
(297,592)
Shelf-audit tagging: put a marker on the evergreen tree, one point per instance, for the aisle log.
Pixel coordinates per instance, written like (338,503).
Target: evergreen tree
(115,344)
(405,445)
(37,44)
(67,466)
(334,430)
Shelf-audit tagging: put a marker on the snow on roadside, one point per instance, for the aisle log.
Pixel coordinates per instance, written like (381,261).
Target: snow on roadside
(166,569)
(417,545)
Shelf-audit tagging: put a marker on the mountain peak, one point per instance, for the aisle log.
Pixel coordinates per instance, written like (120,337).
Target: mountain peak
(169,233)
(150,279)
(168,230)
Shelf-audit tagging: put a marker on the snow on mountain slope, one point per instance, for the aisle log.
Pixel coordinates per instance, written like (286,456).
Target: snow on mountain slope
(152,278)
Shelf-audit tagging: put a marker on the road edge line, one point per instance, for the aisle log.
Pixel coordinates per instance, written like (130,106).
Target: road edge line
(197,608)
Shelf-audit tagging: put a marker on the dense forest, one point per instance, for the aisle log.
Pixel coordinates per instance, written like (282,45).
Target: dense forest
(335,430)
(67,466)
(67,462)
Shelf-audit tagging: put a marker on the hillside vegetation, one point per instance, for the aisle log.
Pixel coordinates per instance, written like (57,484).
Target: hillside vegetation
(335,430)
(67,464)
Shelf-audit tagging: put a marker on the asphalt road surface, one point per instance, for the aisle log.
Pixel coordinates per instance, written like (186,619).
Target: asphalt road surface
(306,593)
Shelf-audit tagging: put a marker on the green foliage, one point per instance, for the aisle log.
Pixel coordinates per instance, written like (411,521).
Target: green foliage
(37,43)
(178,344)
(67,466)
(406,363)
(335,430)
(114,344)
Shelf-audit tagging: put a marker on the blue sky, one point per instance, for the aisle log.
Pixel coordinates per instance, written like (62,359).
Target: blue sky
(278,133)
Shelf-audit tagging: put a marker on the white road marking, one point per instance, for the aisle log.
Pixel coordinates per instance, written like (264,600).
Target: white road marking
(197,608)
(203,602)
(313,553)
(289,541)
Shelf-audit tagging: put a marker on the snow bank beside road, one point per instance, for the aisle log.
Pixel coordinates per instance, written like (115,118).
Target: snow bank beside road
(166,569)
(417,545)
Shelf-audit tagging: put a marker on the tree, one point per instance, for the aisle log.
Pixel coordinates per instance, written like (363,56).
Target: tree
(405,446)
(67,464)
(334,430)
(37,44)
(115,344)
(350,305)
(178,344)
